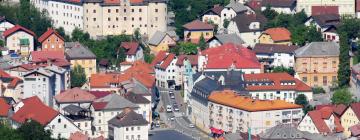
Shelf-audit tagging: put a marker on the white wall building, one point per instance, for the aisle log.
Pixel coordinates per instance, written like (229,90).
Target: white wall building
(166,72)
(274,55)
(4,25)
(342,7)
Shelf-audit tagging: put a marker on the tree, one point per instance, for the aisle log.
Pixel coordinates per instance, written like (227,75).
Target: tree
(33,130)
(344,61)
(137,35)
(226,23)
(202,42)
(148,57)
(79,35)
(188,48)
(7,133)
(342,96)
(313,34)
(301,100)
(61,32)
(279,69)
(78,77)
(269,13)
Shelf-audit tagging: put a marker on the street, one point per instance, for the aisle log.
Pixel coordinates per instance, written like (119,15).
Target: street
(181,122)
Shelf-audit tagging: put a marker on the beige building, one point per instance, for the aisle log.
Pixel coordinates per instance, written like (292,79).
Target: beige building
(350,117)
(78,54)
(316,64)
(115,17)
(316,7)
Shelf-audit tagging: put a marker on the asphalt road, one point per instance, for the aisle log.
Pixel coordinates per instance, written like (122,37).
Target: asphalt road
(181,123)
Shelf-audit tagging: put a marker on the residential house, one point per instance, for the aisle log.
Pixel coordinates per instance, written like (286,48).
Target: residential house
(279,35)
(4,111)
(195,29)
(231,10)
(213,15)
(355,80)
(342,7)
(355,131)
(12,87)
(316,63)
(280,6)
(80,136)
(326,24)
(79,116)
(144,105)
(275,55)
(161,41)
(166,71)
(19,40)
(322,121)
(52,41)
(133,51)
(221,39)
(248,26)
(276,86)
(331,34)
(104,65)
(350,117)
(32,108)
(128,125)
(5,24)
(182,68)
(228,56)
(106,108)
(232,112)
(81,55)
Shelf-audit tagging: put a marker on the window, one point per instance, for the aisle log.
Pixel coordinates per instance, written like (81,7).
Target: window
(325,80)
(138,128)
(109,19)
(99,114)
(124,10)
(99,121)
(304,79)
(109,10)
(138,136)
(140,18)
(132,10)
(127,129)
(124,18)
(59,120)
(156,10)
(132,128)
(94,11)
(132,18)
(94,19)
(64,125)
(315,78)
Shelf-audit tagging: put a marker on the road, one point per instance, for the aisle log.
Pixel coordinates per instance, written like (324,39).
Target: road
(181,123)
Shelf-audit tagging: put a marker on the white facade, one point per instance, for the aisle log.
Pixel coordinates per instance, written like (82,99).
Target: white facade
(138,56)
(288,96)
(227,13)
(280,59)
(250,38)
(4,26)
(170,73)
(13,42)
(284,10)
(61,127)
(64,14)
(216,19)
(130,132)
(307,124)
(40,85)
(346,7)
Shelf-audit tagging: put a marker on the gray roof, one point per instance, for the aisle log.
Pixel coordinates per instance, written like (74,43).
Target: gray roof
(238,7)
(56,69)
(76,50)
(128,118)
(229,38)
(115,101)
(157,38)
(73,109)
(42,71)
(318,49)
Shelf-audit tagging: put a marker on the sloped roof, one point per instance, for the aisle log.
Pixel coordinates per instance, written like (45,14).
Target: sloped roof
(229,38)
(318,49)
(232,99)
(320,10)
(17,28)
(128,118)
(157,38)
(74,95)
(244,20)
(236,6)
(216,10)
(78,51)
(45,55)
(192,58)
(279,3)
(198,25)
(130,47)
(326,19)
(100,94)
(318,118)
(34,109)
(278,34)
(48,33)
(4,108)
(136,98)
(356,108)
(274,48)
(112,101)
(355,130)
(163,60)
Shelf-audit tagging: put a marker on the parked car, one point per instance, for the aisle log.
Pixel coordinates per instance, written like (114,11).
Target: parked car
(168,108)
(191,125)
(172,118)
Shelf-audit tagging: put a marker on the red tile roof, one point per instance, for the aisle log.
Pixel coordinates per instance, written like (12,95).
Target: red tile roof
(130,47)
(318,117)
(100,94)
(198,25)
(14,82)
(278,34)
(99,105)
(355,130)
(104,80)
(112,1)
(338,109)
(192,58)
(254,4)
(163,60)
(321,10)
(223,57)
(4,108)
(4,74)
(74,95)
(34,109)
(356,108)
(276,78)
(161,55)
(140,67)
(17,28)
(357,8)
(44,55)
(48,33)
(136,1)
(80,136)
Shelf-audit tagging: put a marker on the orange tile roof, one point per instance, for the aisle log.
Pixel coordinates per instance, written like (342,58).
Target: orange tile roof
(163,60)
(17,28)
(232,99)
(140,67)
(74,95)
(279,34)
(276,78)
(14,82)
(198,25)
(318,117)
(103,80)
(48,33)
(4,107)
(161,55)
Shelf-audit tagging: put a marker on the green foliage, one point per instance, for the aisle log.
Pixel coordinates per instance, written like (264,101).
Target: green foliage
(279,69)
(148,57)
(301,100)
(313,35)
(344,61)
(187,48)
(226,23)
(269,13)
(61,32)
(2,44)
(7,133)
(342,96)
(79,35)
(137,35)
(78,77)
(33,130)
(202,42)
(318,90)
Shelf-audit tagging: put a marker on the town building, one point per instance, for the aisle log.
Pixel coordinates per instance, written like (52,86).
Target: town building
(166,71)
(350,117)
(355,131)
(275,55)
(355,80)
(279,35)
(144,105)
(81,55)
(32,108)
(80,136)
(195,29)
(231,10)
(4,111)
(128,125)
(248,26)
(162,41)
(12,86)
(213,15)
(276,86)
(322,121)
(19,40)
(316,64)
(326,24)
(68,14)
(74,96)
(280,6)
(342,7)
(185,64)
(102,18)
(5,24)
(133,51)
(52,41)
(221,39)
(228,56)
(232,112)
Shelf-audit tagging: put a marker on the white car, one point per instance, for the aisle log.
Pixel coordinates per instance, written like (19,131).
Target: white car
(172,96)
(168,108)
(191,125)
(172,118)
(176,109)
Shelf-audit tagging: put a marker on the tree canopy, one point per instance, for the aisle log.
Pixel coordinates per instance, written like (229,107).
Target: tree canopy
(283,69)
(78,77)
(342,96)
(30,130)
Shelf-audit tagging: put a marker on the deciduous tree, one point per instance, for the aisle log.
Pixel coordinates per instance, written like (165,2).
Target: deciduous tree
(78,77)
(342,96)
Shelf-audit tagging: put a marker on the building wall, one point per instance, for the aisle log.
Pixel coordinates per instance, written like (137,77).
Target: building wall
(131,132)
(285,10)
(288,96)
(307,125)
(195,35)
(266,39)
(4,26)
(163,46)
(227,13)
(61,127)
(53,43)
(348,119)
(145,111)
(40,86)
(330,36)
(280,59)
(170,73)
(345,6)
(138,56)
(313,70)
(89,65)
(93,19)
(246,71)
(250,38)
(13,42)
(200,115)
(216,19)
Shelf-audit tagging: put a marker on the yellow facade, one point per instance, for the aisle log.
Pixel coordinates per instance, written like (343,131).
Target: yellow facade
(317,71)
(266,39)
(195,35)
(158,48)
(89,65)
(348,119)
